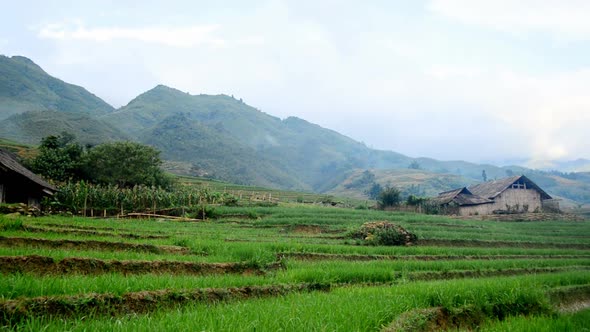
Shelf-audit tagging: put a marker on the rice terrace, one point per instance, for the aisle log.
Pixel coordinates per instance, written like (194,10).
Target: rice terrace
(281,165)
(290,266)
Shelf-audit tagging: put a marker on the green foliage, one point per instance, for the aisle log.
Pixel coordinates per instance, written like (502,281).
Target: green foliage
(383,233)
(10,224)
(25,86)
(366,178)
(389,197)
(82,198)
(414,165)
(59,158)
(413,200)
(374,191)
(125,164)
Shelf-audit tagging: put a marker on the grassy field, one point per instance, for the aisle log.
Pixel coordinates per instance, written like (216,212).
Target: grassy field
(291,267)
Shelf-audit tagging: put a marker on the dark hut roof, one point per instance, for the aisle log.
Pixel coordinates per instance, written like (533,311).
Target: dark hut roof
(491,189)
(461,196)
(448,196)
(8,160)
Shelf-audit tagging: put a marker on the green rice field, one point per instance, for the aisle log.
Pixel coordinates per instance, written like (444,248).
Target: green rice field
(292,267)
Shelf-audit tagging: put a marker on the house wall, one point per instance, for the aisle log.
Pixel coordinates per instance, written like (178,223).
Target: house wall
(512,198)
(18,189)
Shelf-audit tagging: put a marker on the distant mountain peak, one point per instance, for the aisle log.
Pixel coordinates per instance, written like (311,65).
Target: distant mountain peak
(25,61)
(24,86)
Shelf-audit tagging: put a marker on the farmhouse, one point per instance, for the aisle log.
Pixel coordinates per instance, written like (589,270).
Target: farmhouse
(516,194)
(18,184)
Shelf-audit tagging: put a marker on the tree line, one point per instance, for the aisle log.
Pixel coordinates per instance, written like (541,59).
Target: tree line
(123,164)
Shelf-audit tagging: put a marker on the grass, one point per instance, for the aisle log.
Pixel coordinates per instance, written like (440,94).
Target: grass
(344,309)
(365,295)
(572,322)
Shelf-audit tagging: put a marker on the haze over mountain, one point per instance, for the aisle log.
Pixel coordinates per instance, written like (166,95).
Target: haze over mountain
(222,137)
(34,104)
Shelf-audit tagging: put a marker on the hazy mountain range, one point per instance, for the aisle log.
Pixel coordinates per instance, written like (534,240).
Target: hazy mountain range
(224,138)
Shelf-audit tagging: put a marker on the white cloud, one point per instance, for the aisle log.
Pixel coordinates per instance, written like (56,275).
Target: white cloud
(426,91)
(188,36)
(562,19)
(547,113)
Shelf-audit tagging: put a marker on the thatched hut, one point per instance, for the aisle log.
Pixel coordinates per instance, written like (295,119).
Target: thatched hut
(517,194)
(19,185)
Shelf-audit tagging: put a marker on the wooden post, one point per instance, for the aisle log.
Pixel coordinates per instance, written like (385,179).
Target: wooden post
(85,201)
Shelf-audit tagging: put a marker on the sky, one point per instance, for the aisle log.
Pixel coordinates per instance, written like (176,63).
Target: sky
(496,81)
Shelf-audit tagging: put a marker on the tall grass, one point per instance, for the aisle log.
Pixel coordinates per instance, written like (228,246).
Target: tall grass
(343,309)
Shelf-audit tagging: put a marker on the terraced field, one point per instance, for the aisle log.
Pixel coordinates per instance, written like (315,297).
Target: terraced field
(291,268)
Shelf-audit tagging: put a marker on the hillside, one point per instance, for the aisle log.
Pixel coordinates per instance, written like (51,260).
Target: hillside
(290,153)
(222,137)
(24,86)
(409,181)
(212,154)
(31,127)
(34,104)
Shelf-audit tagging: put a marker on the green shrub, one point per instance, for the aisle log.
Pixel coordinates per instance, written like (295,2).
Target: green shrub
(383,233)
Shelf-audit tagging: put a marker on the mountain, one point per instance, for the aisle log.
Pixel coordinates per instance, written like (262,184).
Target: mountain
(222,137)
(409,181)
(578,165)
(302,154)
(31,127)
(34,104)
(24,86)
(213,154)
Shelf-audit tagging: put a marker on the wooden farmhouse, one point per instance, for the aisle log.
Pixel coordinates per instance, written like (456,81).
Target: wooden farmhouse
(516,194)
(19,185)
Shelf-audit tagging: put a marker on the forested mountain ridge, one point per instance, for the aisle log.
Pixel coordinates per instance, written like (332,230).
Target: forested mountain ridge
(34,104)
(24,86)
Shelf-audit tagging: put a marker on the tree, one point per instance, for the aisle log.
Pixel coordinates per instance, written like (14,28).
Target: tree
(125,164)
(484,176)
(374,191)
(59,158)
(389,197)
(414,165)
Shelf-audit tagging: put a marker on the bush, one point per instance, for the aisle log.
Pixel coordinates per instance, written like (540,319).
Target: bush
(383,233)
(389,197)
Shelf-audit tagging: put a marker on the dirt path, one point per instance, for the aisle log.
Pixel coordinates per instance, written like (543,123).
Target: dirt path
(37,229)
(321,256)
(14,311)
(497,244)
(90,245)
(41,265)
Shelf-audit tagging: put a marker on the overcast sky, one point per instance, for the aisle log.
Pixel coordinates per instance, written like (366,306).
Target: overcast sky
(451,79)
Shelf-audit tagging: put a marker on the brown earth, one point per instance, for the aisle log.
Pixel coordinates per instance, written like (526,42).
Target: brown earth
(497,244)
(36,229)
(571,298)
(90,245)
(79,227)
(75,265)
(445,225)
(320,256)
(14,311)
(524,217)
(444,275)
(566,299)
